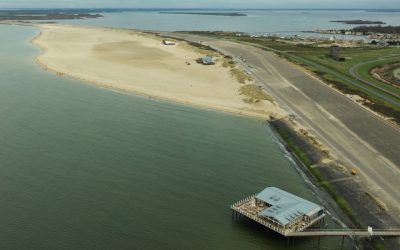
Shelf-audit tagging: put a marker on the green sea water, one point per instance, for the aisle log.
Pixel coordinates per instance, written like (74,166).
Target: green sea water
(88,168)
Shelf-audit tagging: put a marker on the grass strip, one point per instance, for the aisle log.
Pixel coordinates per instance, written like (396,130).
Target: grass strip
(294,148)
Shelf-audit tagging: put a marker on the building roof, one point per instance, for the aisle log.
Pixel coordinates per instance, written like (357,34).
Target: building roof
(207,60)
(285,207)
(166,42)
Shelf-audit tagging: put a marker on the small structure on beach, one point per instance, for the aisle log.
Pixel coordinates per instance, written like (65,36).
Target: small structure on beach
(280,211)
(207,60)
(166,42)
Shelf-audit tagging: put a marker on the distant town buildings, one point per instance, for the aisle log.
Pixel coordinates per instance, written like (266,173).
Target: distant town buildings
(379,38)
(342,37)
(341,32)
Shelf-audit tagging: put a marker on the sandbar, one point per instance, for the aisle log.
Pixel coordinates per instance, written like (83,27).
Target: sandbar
(139,63)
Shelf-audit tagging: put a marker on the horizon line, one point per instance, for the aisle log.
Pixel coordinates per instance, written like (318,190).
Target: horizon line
(198,8)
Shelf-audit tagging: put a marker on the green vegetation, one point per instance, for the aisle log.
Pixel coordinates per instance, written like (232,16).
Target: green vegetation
(254,94)
(343,204)
(382,97)
(203,49)
(240,76)
(201,46)
(293,146)
(378,95)
(378,246)
(355,56)
(358,22)
(340,71)
(378,29)
(335,73)
(228,62)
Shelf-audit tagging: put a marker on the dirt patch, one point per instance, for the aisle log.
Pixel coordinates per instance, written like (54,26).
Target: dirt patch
(396,73)
(389,73)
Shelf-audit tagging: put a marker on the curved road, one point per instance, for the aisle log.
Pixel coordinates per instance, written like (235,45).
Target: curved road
(354,72)
(390,97)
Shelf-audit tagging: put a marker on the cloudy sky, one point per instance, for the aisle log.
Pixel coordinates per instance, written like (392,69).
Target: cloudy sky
(389,4)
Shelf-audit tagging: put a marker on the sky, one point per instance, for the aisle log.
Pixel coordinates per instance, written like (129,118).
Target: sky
(268,4)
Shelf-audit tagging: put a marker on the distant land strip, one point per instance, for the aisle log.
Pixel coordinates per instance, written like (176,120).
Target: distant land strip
(24,16)
(205,13)
(378,29)
(357,22)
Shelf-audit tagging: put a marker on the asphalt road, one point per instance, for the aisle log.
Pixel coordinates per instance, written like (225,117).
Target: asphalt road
(358,81)
(353,134)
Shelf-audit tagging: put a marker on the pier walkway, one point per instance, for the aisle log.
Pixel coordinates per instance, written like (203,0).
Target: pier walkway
(345,232)
(302,226)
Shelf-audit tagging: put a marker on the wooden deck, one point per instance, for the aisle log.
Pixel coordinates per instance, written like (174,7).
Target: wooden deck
(247,208)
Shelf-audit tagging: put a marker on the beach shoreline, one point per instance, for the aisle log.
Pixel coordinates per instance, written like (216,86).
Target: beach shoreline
(227,100)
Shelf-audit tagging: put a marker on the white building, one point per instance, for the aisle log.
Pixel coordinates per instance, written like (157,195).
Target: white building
(166,42)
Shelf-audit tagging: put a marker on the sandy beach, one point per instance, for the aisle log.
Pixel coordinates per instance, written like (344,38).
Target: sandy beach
(139,63)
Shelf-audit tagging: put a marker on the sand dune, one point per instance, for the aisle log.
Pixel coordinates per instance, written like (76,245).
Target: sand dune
(139,63)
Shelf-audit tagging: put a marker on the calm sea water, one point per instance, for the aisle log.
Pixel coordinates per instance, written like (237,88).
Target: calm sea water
(273,21)
(87,168)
